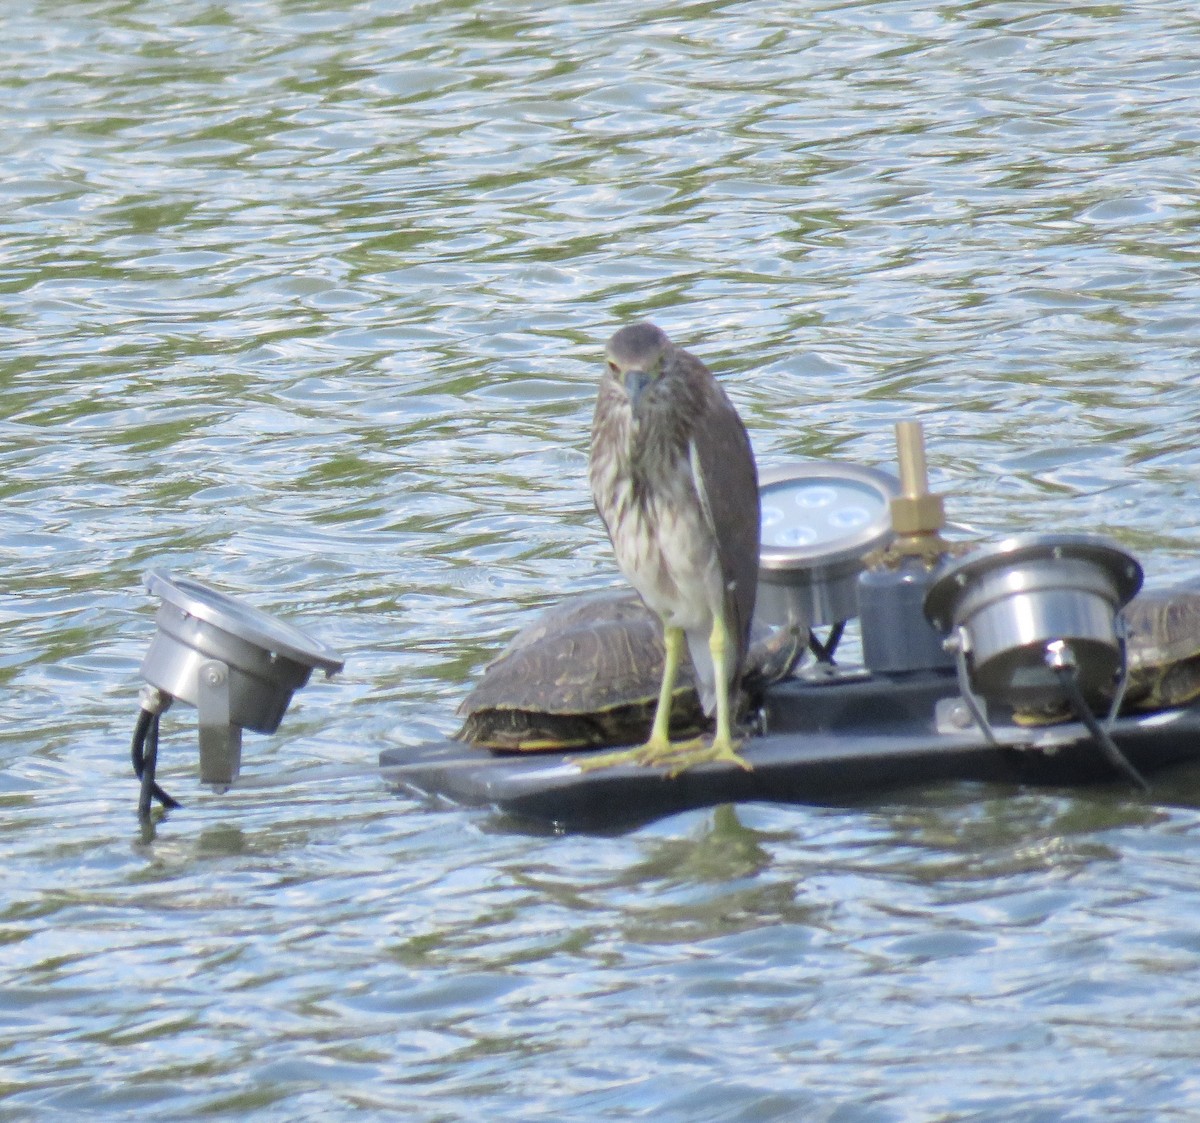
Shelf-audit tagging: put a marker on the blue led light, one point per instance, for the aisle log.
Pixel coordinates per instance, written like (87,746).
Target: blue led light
(797,536)
(851,518)
(813,496)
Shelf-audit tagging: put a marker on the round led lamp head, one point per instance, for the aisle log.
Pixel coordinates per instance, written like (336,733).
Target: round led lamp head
(267,659)
(1009,600)
(819,520)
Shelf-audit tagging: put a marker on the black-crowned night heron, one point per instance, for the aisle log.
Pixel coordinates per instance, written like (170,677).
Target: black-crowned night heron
(673,477)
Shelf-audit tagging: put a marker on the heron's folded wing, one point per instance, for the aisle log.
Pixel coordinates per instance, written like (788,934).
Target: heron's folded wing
(726,481)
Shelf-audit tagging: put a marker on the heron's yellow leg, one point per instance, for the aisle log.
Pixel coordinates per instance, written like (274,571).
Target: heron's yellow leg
(659,745)
(722,747)
(660,731)
(718,646)
(659,750)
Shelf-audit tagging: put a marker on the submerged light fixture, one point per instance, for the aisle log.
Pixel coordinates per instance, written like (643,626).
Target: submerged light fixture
(820,519)
(237,665)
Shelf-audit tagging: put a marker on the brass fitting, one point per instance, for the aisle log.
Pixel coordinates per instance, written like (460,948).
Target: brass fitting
(917,514)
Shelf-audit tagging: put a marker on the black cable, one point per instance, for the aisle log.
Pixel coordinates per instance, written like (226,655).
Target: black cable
(144,752)
(824,651)
(149,765)
(1070,684)
(139,741)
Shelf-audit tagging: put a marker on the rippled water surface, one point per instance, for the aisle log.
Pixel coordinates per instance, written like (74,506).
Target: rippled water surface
(306,300)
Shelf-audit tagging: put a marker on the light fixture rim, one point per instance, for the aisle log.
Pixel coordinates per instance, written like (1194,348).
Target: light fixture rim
(855,544)
(957,574)
(244,621)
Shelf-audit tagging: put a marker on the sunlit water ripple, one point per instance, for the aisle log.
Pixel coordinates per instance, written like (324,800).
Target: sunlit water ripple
(306,300)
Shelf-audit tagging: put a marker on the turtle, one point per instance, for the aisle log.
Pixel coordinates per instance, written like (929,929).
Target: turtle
(1162,647)
(585,674)
(1162,654)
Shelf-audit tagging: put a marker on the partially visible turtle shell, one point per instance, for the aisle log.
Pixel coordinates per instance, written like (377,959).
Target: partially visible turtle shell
(1162,647)
(586,673)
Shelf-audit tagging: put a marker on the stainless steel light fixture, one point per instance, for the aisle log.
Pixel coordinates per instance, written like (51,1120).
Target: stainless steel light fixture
(1034,622)
(1006,602)
(237,665)
(819,520)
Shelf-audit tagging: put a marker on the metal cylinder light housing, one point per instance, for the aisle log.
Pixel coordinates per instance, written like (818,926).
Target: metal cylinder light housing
(237,665)
(819,520)
(268,659)
(1007,602)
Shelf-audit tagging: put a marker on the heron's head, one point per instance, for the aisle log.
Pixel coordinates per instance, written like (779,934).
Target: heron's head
(637,356)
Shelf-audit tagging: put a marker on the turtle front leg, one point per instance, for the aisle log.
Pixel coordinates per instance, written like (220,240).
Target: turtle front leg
(658,748)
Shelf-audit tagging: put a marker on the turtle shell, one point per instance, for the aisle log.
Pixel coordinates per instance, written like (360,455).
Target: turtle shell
(586,673)
(1162,647)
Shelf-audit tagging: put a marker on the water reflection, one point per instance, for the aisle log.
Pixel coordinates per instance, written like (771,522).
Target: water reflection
(306,301)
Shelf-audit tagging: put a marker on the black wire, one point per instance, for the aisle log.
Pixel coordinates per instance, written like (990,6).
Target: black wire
(1070,684)
(139,740)
(149,764)
(824,651)
(145,758)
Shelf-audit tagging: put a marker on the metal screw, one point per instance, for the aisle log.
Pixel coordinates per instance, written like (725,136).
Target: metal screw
(1059,655)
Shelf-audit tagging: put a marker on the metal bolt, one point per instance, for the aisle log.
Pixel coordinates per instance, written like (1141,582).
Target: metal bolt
(959,715)
(1059,655)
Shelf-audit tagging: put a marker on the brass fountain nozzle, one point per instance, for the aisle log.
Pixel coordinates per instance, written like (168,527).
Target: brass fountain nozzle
(918,515)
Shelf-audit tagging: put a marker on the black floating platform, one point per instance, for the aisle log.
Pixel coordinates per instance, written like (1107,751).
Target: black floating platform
(829,738)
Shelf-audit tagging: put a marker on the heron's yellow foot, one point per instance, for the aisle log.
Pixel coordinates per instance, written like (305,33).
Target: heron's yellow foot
(676,757)
(652,753)
(699,750)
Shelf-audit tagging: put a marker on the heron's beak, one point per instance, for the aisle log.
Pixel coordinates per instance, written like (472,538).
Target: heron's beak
(636,382)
